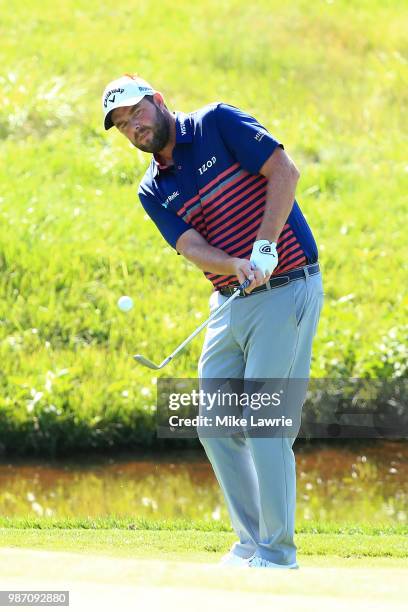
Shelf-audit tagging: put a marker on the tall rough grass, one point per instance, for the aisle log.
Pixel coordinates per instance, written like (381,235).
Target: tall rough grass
(329,79)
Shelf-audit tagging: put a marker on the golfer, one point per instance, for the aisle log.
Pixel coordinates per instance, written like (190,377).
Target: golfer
(221,191)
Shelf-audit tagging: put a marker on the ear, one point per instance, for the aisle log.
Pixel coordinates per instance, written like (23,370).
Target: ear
(158,98)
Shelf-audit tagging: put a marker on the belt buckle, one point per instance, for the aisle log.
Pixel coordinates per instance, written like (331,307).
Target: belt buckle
(229,289)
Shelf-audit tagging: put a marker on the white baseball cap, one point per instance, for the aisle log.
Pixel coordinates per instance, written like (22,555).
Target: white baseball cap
(125,91)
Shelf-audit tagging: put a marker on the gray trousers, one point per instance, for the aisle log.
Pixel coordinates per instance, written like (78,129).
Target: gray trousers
(264,336)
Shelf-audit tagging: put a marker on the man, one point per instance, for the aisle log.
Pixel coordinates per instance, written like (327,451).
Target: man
(221,190)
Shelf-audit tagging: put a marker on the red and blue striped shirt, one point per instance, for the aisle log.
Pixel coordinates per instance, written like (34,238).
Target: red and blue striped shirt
(215,187)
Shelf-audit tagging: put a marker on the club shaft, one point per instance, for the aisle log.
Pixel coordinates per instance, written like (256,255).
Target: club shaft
(150,364)
(204,324)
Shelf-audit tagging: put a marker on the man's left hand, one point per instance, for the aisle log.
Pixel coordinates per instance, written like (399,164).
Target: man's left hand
(265,257)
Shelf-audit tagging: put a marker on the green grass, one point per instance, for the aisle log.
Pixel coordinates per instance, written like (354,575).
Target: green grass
(180,525)
(328,79)
(193,539)
(194,544)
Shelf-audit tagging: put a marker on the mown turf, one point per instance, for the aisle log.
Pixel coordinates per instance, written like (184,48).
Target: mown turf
(353,586)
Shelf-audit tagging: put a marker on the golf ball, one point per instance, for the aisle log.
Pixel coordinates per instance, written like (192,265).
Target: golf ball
(125,303)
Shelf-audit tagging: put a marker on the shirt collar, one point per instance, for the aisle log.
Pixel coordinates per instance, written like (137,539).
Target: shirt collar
(184,135)
(184,128)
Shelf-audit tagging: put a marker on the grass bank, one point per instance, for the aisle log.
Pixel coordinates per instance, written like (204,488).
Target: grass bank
(324,78)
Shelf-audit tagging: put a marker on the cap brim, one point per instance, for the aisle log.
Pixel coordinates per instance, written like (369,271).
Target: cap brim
(128,102)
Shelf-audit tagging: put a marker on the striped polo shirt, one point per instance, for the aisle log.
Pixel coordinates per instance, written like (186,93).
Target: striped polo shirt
(214,186)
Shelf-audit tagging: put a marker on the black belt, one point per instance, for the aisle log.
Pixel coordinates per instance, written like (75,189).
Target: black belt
(275,281)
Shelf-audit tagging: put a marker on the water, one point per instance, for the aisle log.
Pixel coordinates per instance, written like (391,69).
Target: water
(334,484)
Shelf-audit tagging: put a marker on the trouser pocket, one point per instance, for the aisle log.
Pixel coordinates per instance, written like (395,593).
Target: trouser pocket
(307,296)
(300,298)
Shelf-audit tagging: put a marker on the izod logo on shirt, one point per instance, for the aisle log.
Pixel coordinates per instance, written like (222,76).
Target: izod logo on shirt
(208,164)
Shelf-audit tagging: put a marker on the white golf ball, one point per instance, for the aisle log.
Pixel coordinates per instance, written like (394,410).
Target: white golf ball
(125,303)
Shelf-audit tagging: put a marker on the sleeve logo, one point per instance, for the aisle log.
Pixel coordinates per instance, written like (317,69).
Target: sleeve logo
(170,199)
(259,136)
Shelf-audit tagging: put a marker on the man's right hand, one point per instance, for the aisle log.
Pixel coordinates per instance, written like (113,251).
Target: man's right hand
(196,249)
(243,269)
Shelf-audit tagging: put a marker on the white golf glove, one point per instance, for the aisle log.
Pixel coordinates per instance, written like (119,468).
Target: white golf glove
(264,256)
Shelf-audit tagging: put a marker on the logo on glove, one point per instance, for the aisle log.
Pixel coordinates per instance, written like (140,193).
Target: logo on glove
(264,256)
(266,248)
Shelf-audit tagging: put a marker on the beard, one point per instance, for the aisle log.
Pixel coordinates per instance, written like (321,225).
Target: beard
(160,133)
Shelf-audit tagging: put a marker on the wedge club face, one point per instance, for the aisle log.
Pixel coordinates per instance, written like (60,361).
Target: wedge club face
(149,364)
(146,362)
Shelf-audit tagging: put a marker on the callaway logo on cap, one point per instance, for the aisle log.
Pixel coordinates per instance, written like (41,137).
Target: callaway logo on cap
(125,91)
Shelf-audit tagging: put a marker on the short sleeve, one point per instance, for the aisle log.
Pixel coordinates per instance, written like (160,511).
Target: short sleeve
(249,142)
(167,222)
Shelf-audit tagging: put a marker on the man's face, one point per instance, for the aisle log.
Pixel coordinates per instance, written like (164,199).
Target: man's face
(146,125)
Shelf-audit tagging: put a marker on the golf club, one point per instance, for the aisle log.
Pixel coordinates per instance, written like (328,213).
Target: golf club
(149,364)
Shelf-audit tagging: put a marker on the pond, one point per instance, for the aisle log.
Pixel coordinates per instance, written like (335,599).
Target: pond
(334,484)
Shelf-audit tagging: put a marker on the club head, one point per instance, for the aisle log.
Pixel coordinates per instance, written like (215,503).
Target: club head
(146,362)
